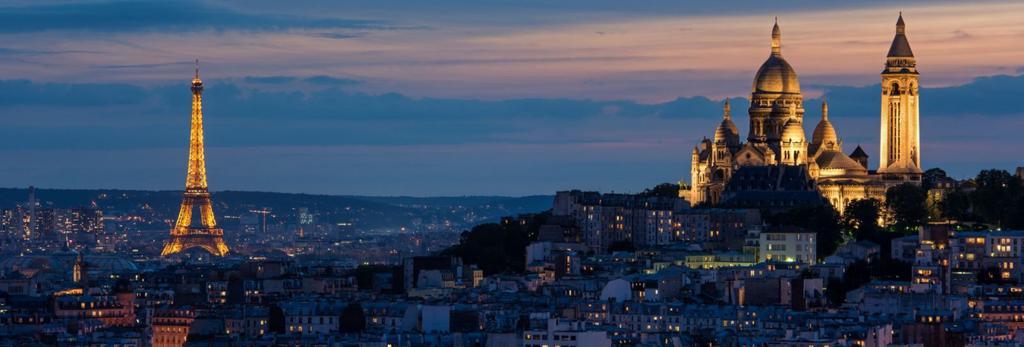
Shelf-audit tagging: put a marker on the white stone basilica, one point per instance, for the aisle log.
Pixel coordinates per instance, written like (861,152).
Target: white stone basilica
(779,162)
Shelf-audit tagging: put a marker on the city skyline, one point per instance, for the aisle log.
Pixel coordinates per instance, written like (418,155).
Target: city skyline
(511,174)
(336,126)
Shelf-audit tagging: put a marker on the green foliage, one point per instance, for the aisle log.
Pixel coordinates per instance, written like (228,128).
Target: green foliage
(931,176)
(906,202)
(667,190)
(856,275)
(999,199)
(861,219)
(822,219)
(860,273)
(499,248)
(956,205)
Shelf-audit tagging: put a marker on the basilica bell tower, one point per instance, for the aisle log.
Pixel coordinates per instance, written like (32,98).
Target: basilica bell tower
(900,157)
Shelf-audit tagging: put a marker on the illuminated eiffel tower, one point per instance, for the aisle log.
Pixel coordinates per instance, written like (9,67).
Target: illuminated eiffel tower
(206,235)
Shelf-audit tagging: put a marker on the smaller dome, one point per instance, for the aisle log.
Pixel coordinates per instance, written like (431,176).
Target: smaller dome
(793,132)
(727,131)
(824,134)
(835,163)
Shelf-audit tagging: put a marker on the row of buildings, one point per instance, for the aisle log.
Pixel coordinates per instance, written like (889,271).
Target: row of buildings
(597,222)
(962,288)
(33,220)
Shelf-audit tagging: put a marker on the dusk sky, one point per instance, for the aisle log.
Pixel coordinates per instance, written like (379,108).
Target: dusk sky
(452,97)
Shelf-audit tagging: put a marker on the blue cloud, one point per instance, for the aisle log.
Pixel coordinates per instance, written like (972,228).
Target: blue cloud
(143,66)
(159,15)
(14,51)
(128,116)
(331,81)
(988,95)
(28,93)
(337,36)
(318,80)
(270,79)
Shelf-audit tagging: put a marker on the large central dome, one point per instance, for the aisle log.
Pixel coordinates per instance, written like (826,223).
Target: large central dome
(776,75)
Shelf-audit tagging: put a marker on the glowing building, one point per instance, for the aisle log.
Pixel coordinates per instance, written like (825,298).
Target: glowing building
(206,234)
(778,166)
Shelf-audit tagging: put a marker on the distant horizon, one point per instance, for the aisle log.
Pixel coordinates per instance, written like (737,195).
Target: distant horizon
(214,191)
(484,195)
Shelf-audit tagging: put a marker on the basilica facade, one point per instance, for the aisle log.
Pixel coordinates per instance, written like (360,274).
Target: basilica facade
(777,159)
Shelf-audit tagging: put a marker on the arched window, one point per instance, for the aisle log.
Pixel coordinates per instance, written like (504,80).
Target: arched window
(894,89)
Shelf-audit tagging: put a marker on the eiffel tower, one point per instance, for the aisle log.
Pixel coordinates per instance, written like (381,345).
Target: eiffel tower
(206,235)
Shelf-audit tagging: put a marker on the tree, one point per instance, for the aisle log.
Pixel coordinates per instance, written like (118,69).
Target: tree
(353,319)
(667,190)
(821,219)
(956,205)
(931,177)
(906,202)
(498,248)
(861,218)
(861,272)
(997,199)
(856,275)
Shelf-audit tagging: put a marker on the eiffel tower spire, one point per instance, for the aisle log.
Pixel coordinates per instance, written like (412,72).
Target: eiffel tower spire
(205,235)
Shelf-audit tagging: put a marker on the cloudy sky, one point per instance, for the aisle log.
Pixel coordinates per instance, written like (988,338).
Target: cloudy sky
(454,97)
